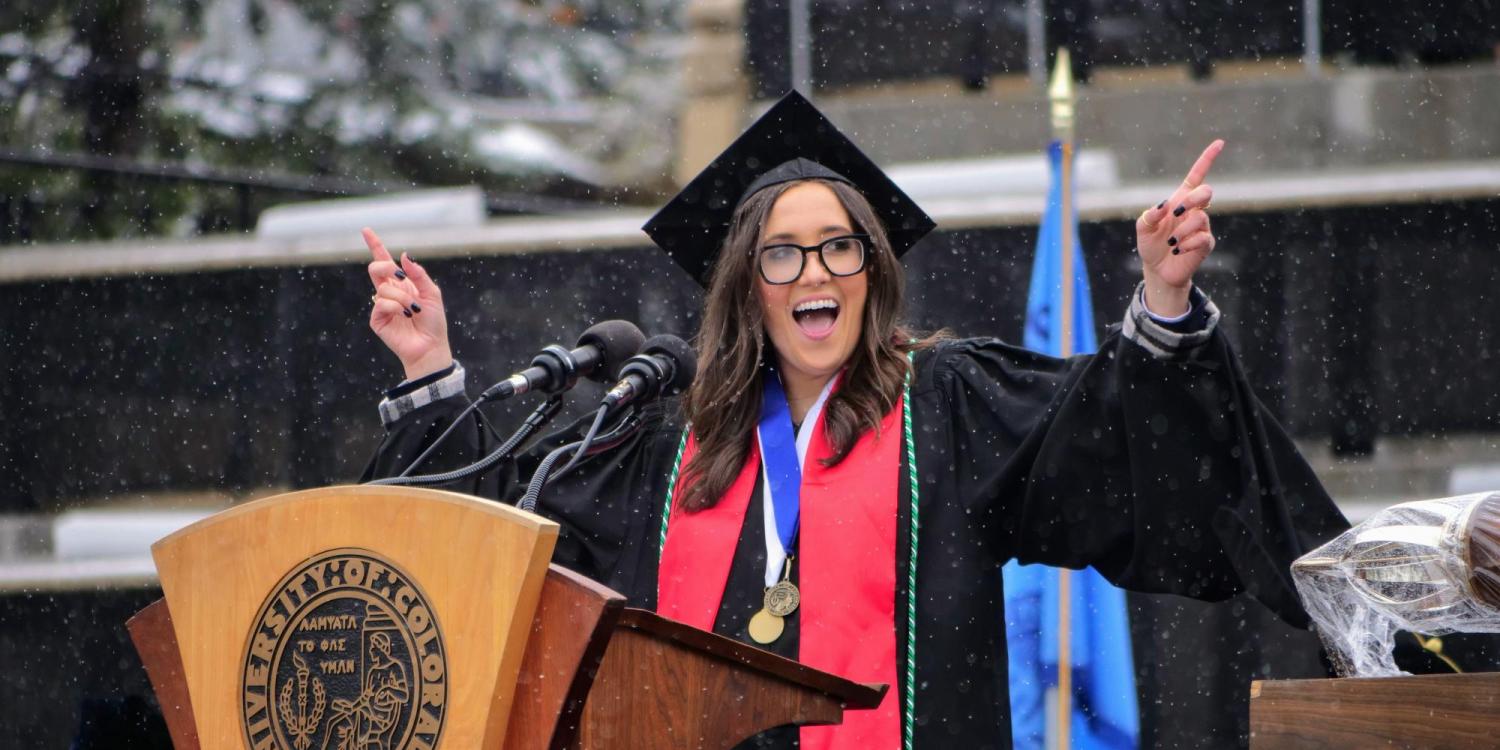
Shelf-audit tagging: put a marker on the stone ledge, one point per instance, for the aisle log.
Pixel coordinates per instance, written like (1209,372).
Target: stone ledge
(1276,122)
(621,229)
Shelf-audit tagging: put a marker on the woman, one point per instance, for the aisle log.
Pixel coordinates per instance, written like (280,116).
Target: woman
(847,490)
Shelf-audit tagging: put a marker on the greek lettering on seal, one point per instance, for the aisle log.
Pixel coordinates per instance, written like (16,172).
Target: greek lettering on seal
(345,654)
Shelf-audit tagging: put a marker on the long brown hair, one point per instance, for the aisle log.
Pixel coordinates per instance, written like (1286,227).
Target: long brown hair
(723,404)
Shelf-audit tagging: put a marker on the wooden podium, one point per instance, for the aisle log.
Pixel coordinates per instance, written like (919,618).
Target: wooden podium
(360,617)
(1430,712)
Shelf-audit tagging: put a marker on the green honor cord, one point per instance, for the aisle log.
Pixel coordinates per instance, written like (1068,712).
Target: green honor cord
(909,704)
(909,708)
(666,510)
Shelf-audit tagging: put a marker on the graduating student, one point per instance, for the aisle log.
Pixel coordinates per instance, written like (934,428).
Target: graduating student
(840,490)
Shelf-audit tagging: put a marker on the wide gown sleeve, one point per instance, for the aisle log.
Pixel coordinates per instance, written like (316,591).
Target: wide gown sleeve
(605,506)
(1156,465)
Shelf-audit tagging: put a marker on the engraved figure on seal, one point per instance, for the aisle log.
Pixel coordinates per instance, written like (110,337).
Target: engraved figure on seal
(370,721)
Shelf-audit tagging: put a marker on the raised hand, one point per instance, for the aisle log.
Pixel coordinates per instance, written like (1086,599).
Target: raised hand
(407,313)
(1174,238)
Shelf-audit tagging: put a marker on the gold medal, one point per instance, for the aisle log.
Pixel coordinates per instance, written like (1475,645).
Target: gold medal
(765,627)
(782,599)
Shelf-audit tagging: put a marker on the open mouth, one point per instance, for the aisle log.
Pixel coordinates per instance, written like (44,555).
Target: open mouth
(816,317)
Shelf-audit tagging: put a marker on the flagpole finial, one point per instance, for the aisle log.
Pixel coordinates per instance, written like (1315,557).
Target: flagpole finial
(1063,96)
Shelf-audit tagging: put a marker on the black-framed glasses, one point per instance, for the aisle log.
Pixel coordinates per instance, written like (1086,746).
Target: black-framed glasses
(842,256)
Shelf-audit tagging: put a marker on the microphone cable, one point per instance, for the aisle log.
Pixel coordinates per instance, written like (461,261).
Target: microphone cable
(588,439)
(588,446)
(601,350)
(543,413)
(458,420)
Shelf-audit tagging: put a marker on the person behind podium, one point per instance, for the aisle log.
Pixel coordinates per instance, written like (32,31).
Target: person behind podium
(848,488)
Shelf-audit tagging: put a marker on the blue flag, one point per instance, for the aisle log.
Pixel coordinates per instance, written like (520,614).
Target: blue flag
(1104,713)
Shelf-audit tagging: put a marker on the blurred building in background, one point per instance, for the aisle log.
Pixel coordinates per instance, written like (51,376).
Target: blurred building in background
(163,360)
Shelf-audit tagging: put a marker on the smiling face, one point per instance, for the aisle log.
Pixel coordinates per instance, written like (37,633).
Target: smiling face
(743,316)
(815,322)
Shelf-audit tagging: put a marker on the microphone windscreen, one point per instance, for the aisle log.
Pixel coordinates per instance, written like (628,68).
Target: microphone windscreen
(617,341)
(682,356)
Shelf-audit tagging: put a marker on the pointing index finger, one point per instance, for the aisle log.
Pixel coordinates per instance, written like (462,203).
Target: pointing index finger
(1200,168)
(377,248)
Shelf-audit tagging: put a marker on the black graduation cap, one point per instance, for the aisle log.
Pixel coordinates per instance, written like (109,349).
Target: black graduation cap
(791,141)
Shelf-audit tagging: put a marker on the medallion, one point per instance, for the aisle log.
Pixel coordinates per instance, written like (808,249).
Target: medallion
(782,599)
(765,627)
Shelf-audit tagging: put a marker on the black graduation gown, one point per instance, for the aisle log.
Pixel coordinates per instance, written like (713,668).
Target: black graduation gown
(1166,475)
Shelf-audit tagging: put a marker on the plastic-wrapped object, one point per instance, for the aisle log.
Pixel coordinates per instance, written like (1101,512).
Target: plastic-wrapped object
(1431,566)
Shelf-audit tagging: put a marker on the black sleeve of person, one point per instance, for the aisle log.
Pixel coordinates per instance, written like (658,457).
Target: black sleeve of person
(603,506)
(1166,475)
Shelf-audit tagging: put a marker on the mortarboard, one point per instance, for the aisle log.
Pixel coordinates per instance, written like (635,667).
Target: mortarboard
(791,141)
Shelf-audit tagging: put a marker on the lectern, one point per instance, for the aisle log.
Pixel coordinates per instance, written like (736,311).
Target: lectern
(1430,712)
(352,618)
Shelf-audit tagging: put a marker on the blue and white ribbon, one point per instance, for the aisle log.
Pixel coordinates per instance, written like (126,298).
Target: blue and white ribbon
(782,455)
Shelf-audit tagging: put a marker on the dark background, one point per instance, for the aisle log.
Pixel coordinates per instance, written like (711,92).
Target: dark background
(879,41)
(1352,323)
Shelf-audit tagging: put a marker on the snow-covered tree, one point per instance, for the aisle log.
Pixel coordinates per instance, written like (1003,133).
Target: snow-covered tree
(559,96)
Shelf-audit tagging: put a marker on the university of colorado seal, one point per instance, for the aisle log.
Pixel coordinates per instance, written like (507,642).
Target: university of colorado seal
(345,654)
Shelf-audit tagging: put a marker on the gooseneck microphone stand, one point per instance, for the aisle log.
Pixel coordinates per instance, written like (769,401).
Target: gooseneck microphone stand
(601,350)
(588,446)
(543,413)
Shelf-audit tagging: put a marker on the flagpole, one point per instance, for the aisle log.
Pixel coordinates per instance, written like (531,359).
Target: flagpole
(1063,98)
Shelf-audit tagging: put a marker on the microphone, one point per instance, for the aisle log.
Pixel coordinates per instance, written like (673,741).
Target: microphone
(665,367)
(600,352)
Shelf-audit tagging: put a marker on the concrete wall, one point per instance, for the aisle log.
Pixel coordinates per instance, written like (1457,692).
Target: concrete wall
(1285,123)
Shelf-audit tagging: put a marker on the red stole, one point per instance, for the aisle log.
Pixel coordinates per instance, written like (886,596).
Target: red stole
(846,570)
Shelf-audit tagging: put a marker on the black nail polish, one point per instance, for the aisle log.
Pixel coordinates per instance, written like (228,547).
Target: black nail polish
(416,307)
(1179,210)
(1171,241)
(1176,251)
(406,312)
(1159,205)
(400,274)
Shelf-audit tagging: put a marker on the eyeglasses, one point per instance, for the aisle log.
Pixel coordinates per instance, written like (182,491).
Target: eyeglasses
(842,256)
